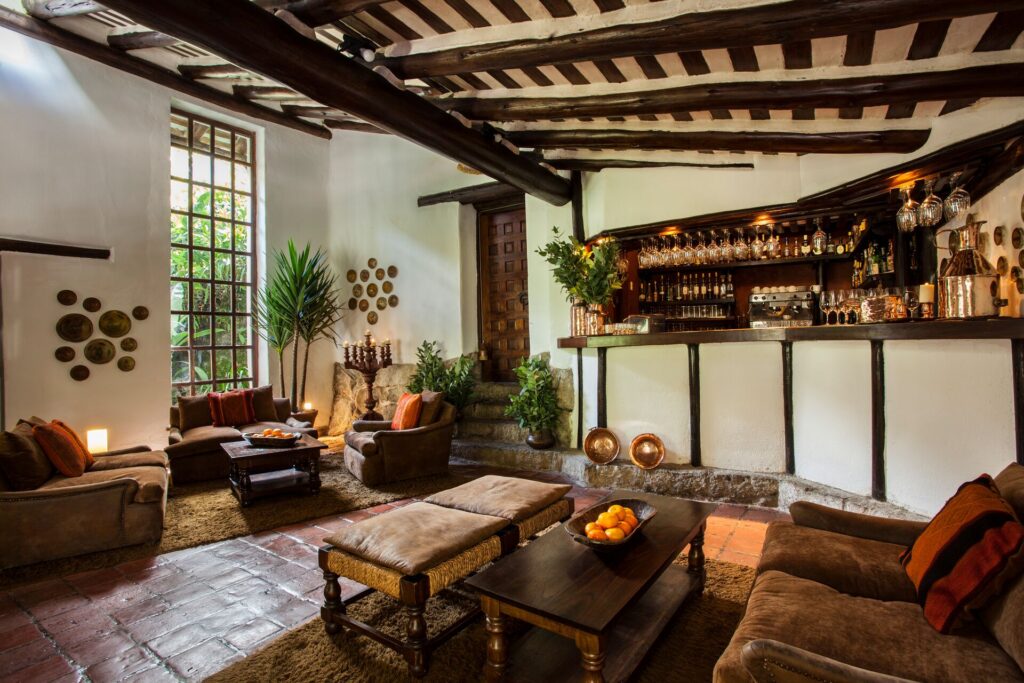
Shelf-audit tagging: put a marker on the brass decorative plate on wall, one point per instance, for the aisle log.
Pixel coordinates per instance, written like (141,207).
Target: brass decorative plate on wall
(140,312)
(647,451)
(387,287)
(357,291)
(393,301)
(74,327)
(1017,238)
(392,271)
(379,273)
(997,235)
(371,317)
(67,297)
(371,263)
(64,354)
(364,275)
(99,351)
(79,373)
(371,290)
(352,303)
(126,364)
(351,276)
(1002,267)
(92,304)
(129,344)
(382,303)
(115,323)
(364,305)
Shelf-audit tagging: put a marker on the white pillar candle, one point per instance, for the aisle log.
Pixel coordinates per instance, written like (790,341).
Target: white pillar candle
(926,293)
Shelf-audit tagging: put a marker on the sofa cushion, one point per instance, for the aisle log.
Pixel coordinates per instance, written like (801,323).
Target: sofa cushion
(193,411)
(506,497)
(1010,483)
(851,565)
(407,412)
(63,448)
(114,462)
(263,404)
(887,637)
(433,401)
(23,463)
(202,440)
(362,442)
(231,408)
(1004,618)
(969,551)
(152,481)
(415,537)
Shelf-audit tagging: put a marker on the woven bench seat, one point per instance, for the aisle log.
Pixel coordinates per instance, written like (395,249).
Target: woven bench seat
(414,552)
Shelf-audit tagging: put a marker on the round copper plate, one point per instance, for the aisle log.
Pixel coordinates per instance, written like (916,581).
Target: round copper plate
(601,446)
(371,263)
(393,301)
(126,364)
(379,273)
(364,304)
(351,276)
(1020,258)
(364,275)
(382,303)
(997,235)
(388,287)
(92,304)
(99,351)
(1002,267)
(64,354)
(647,451)
(352,303)
(79,373)
(115,323)
(371,290)
(74,327)
(1017,238)
(67,297)
(129,344)
(371,317)
(140,312)
(357,291)
(392,271)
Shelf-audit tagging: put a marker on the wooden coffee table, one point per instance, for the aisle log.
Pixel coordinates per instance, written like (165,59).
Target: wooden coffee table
(598,614)
(256,471)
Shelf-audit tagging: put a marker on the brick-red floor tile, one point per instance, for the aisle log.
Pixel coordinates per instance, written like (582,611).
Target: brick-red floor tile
(248,637)
(203,660)
(53,668)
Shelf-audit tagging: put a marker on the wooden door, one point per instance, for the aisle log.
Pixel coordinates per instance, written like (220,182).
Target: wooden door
(504,307)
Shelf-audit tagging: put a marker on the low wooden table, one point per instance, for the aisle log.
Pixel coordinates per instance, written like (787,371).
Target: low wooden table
(610,607)
(256,471)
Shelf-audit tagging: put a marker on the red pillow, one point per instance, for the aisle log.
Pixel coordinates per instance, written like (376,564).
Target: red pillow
(63,447)
(966,554)
(407,414)
(231,408)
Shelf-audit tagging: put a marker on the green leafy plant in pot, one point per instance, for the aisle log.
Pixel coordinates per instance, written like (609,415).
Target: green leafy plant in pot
(456,380)
(536,404)
(589,276)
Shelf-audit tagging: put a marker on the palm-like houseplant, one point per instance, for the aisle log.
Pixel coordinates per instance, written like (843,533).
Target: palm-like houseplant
(299,302)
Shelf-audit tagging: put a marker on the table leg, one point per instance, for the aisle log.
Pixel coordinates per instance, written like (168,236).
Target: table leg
(314,473)
(416,640)
(497,644)
(244,487)
(592,653)
(695,558)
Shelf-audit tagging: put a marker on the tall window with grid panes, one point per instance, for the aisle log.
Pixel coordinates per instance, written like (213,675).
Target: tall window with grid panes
(213,205)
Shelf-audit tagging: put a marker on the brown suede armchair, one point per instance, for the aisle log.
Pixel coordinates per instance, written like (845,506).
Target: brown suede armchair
(831,602)
(376,454)
(119,501)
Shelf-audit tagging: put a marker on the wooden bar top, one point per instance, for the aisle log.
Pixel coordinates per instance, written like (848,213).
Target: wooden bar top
(998,328)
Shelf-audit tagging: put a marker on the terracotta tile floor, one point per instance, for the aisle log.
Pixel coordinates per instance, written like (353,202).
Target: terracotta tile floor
(186,614)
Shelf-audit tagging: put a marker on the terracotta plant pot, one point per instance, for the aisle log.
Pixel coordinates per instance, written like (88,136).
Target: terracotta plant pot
(540,440)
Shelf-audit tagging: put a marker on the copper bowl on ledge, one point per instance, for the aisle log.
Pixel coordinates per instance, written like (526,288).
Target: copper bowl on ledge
(647,451)
(601,446)
(576,527)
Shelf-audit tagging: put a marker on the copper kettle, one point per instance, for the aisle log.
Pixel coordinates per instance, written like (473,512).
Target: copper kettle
(969,285)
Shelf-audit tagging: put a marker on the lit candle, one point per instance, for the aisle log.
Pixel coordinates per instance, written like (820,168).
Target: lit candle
(387,342)
(926,293)
(96,440)
(307,406)
(345,344)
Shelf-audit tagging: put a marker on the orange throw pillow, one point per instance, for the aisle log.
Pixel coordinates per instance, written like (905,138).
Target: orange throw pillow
(407,414)
(966,554)
(232,408)
(63,447)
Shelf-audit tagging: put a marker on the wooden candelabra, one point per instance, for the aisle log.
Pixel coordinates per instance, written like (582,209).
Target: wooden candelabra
(367,357)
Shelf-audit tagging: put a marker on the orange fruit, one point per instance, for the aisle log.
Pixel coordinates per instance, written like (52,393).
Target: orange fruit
(629,512)
(590,527)
(626,528)
(268,432)
(632,521)
(607,520)
(597,535)
(618,511)
(615,534)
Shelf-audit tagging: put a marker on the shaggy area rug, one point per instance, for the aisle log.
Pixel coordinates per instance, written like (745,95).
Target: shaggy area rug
(206,512)
(686,650)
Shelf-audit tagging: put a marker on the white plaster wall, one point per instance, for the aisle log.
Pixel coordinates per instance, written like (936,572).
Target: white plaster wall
(832,413)
(85,161)
(374,183)
(948,417)
(741,412)
(648,391)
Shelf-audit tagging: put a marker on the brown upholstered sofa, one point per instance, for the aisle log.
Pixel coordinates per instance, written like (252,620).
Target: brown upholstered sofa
(119,501)
(195,452)
(376,454)
(832,602)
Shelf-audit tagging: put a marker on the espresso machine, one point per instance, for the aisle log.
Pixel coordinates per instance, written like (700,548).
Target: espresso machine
(782,309)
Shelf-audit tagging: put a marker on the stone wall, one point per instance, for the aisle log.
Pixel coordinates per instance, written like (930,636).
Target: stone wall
(350,394)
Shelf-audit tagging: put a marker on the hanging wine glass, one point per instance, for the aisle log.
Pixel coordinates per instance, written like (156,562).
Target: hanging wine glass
(725,247)
(958,201)
(740,248)
(757,247)
(713,251)
(929,212)
(700,256)
(676,257)
(688,254)
(641,255)
(906,217)
(773,249)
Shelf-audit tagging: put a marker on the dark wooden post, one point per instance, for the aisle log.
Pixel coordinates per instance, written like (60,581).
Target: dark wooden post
(787,404)
(602,380)
(1017,356)
(877,420)
(579,231)
(579,398)
(694,350)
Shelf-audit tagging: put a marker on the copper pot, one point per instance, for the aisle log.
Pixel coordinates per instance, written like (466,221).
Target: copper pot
(969,285)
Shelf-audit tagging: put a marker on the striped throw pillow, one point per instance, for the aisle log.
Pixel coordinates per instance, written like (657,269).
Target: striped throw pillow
(63,447)
(967,553)
(231,408)
(407,413)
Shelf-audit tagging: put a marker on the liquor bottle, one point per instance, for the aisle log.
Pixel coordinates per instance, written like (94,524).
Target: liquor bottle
(890,258)
(643,293)
(830,245)
(715,288)
(819,239)
(805,248)
(729,286)
(686,288)
(849,239)
(841,247)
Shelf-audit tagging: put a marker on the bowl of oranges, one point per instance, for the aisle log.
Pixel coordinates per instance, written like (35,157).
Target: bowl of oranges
(272,438)
(606,526)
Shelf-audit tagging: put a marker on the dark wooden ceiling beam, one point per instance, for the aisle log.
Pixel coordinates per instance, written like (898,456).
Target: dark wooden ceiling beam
(320,12)
(48,33)
(246,35)
(1002,80)
(357,126)
(569,164)
(895,141)
(267,92)
(218,71)
(140,40)
(471,195)
(782,22)
(51,9)
(51,249)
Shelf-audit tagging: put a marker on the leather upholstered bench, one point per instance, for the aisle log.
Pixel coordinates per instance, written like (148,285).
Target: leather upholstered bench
(412,553)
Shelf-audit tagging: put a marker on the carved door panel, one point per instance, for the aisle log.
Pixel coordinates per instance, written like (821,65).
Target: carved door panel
(504,307)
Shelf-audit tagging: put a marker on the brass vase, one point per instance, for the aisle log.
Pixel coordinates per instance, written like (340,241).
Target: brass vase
(578,320)
(595,320)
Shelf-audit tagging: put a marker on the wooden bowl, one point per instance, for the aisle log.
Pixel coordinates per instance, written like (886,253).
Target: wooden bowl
(576,526)
(260,441)
(601,446)
(647,451)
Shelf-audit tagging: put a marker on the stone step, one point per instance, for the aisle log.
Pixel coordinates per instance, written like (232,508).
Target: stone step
(492,429)
(494,392)
(486,410)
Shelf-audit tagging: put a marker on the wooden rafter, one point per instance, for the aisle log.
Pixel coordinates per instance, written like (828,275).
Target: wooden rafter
(140,40)
(594,165)
(897,141)
(51,9)
(999,80)
(789,23)
(320,12)
(243,34)
(46,32)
